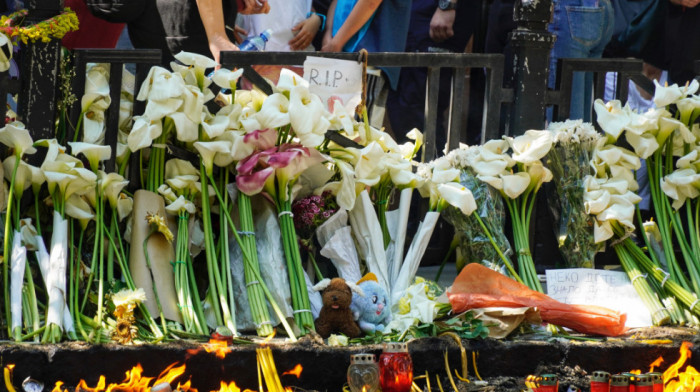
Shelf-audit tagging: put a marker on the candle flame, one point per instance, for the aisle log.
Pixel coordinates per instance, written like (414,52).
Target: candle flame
(296,371)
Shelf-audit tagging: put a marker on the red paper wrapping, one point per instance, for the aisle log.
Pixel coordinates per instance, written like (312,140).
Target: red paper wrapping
(479,287)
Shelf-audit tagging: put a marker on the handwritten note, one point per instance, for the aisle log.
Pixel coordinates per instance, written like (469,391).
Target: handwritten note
(333,79)
(611,289)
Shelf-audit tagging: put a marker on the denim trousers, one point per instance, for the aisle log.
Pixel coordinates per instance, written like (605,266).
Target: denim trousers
(583,28)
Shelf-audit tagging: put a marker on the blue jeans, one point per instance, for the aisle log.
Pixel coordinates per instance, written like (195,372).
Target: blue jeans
(583,29)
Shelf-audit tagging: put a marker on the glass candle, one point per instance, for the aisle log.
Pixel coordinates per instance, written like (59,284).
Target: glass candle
(363,373)
(600,381)
(395,368)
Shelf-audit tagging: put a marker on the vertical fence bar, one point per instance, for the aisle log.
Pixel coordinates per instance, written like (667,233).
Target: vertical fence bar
(455,131)
(39,70)
(430,128)
(531,46)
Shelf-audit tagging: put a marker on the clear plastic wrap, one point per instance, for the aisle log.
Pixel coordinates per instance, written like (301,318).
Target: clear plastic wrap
(475,244)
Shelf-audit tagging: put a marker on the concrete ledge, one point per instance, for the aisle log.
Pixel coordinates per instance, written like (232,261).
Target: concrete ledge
(325,367)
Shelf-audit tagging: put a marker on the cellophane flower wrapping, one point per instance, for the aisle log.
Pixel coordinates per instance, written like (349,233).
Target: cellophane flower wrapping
(568,160)
(474,243)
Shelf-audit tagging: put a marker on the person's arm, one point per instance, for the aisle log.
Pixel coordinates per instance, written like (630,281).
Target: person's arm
(305,32)
(328,34)
(360,14)
(211,13)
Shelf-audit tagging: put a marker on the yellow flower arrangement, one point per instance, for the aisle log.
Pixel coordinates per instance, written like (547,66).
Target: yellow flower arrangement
(52,28)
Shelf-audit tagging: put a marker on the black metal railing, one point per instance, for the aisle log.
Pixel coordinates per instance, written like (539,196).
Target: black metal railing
(492,63)
(144,59)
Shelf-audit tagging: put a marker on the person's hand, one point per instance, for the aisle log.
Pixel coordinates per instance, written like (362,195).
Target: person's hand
(441,25)
(686,3)
(217,45)
(332,45)
(255,7)
(305,32)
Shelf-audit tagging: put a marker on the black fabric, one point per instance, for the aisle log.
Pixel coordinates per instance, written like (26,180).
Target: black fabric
(116,11)
(174,26)
(639,30)
(682,43)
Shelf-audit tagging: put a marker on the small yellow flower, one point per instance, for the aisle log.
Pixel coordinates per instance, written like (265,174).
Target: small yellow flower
(158,222)
(125,331)
(128,297)
(404,305)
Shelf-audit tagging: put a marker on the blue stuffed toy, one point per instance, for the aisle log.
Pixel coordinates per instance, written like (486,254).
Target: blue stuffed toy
(372,310)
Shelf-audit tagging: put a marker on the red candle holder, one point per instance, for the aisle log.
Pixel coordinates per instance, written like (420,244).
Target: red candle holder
(600,381)
(657,381)
(619,383)
(395,368)
(643,383)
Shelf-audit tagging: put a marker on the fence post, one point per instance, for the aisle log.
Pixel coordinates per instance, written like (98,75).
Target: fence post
(39,72)
(531,46)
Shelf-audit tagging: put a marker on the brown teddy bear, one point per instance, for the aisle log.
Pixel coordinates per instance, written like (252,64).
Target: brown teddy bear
(336,316)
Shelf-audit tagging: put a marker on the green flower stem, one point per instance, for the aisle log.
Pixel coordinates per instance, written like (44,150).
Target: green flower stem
(100,285)
(225,255)
(247,259)
(503,257)
(295,269)
(659,314)
(520,210)
(155,289)
(75,287)
(216,286)
(382,191)
(256,298)
(6,247)
(30,292)
(128,279)
(187,296)
(655,173)
(685,296)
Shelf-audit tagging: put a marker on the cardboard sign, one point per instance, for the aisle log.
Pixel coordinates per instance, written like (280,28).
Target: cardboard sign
(611,289)
(333,79)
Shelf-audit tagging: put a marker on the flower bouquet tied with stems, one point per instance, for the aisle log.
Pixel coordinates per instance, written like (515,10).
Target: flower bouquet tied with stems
(478,244)
(568,160)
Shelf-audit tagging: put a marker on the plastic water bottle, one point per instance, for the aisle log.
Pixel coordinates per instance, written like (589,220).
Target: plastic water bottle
(256,44)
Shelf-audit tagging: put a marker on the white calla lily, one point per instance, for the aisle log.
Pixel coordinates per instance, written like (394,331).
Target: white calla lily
(666,95)
(5,52)
(289,80)
(611,117)
(308,117)
(225,78)
(160,85)
(125,204)
(681,185)
(515,184)
(93,152)
(17,137)
(531,146)
(143,133)
(208,150)
(78,208)
(186,130)
(458,196)
(180,205)
(23,178)
(644,145)
(112,185)
(274,112)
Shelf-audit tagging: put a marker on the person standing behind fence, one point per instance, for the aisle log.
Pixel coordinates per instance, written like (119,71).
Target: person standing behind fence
(438,27)
(294,25)
(683,40)
(373,25)
(205,27)
(583,28)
